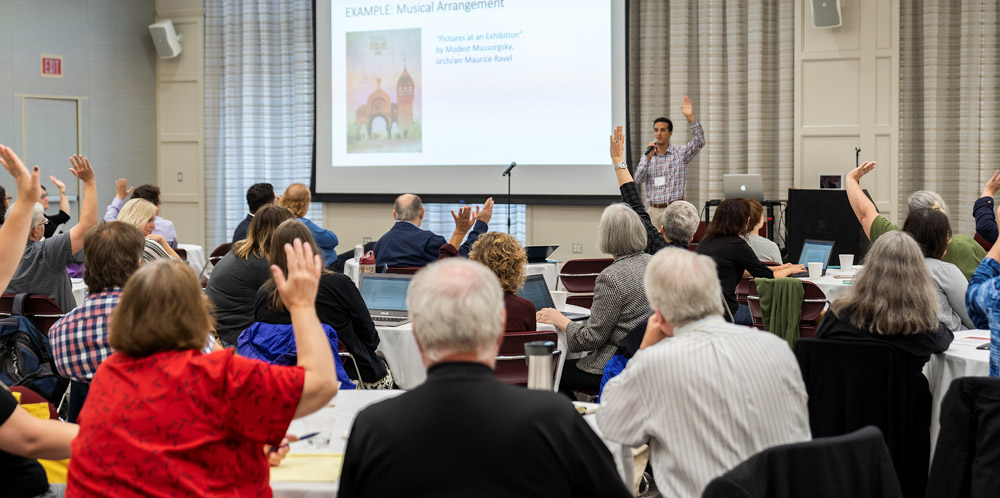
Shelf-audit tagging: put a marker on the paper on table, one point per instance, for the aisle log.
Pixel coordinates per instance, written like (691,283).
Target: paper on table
(309,468)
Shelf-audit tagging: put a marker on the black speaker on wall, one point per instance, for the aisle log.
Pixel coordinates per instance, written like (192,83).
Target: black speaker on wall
(824,214)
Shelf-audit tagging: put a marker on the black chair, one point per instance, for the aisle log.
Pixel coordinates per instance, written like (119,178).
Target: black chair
(854,383)
(855,465)
(967,456)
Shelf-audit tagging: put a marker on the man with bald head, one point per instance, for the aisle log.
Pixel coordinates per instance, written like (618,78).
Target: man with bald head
(524,442)
(406,244)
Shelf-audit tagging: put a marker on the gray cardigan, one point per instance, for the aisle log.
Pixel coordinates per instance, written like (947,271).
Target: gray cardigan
(950,286)
(619,305)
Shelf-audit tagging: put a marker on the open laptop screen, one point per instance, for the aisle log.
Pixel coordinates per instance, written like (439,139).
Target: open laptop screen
(537,291)
(814,251)
(385,292)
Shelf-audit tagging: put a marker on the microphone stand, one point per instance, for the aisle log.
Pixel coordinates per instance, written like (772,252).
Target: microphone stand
(508,174)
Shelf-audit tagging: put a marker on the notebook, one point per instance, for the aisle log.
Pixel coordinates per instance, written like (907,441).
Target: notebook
(814,251)
(537,291)
(385,296)
(745,186)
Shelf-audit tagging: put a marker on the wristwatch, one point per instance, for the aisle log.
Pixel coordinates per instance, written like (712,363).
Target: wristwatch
(621,165)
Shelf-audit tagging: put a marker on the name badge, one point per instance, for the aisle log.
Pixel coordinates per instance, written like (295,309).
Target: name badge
(660,181)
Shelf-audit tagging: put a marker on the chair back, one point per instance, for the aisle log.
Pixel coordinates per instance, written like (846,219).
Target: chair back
(579,275)
(403,270)
(857,382)
(346,355)
(42,310)
(966,456)
(813,304)
(512,365)
(182,253)
(855,465)
(743,290)
(219,252)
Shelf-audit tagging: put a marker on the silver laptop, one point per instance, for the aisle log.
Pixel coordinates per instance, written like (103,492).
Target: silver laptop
(745,186)
(385,296)
(537,291)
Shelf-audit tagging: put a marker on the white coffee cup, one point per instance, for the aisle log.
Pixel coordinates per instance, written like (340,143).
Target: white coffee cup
(846,262)
(559,299)
(815,270)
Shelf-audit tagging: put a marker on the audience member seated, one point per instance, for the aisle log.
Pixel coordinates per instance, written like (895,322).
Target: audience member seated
(963,251)
(619,301)
(420,443)
(892,300)
(112,252)
(733,256)
(296,199)
(151,193)
(237,277)
(42,269)
(983,303)
(141,214)
(162,416)
(679,221)
(258,196)
(53,221)
(931,230)
(766,250)
(24,437)
(704,394)
(406,244)
(505,256)
(983,210)
(338,303)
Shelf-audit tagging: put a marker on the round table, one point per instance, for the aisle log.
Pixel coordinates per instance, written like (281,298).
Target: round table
(833,284)
(962,359)
(547,268)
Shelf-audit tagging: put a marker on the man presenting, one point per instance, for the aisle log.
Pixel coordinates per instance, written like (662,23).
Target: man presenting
(663,168)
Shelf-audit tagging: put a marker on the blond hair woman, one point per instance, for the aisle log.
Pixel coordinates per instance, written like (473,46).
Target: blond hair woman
(141,214)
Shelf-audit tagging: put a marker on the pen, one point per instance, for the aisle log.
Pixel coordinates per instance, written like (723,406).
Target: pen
(275,449)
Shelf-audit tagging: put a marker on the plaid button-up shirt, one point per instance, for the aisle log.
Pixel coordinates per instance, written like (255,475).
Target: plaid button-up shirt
(80,339)
(672,166)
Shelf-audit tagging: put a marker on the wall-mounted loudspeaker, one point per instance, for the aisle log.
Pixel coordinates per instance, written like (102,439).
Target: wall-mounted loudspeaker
(167,41)
(826,13)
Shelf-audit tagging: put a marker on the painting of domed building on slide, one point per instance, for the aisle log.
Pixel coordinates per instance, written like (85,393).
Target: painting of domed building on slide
(383,90)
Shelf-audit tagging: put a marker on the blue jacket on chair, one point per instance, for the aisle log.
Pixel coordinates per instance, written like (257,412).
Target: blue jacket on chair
(275,344)
(406,244)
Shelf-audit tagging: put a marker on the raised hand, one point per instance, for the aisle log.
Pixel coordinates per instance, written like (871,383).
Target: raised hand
(81,168)
(28,184)
(121,188)
(617,145)
(486,213)
(60,185)
(298,289)
(464,219)
(862,170)
(687,109)
(992,185)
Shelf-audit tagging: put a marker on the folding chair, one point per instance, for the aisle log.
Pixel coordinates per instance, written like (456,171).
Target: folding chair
(578,276)
(512,366)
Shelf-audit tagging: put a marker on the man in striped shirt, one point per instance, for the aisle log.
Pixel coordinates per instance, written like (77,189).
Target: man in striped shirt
(704,394)
(663,168)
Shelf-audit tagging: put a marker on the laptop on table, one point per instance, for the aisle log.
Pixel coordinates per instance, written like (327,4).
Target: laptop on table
(537,291)
(743,186)
(814,251)
(385,296)
(539,254)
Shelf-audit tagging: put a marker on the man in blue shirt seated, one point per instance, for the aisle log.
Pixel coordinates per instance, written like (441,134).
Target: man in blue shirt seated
(406,244)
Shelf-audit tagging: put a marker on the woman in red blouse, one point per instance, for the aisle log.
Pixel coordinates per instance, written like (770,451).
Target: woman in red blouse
(163,419)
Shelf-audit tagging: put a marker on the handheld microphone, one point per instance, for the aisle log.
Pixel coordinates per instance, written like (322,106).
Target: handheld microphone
(650,148)
(507,171)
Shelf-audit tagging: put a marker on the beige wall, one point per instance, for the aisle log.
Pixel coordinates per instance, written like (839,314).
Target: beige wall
(180,121)
(847,95)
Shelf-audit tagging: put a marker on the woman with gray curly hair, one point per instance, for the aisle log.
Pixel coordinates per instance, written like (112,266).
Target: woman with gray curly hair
(892,300)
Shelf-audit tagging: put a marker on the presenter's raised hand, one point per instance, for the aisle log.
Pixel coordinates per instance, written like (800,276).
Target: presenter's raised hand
(617,145)
(861,171)
(687,109)
(992,185)
(486,213)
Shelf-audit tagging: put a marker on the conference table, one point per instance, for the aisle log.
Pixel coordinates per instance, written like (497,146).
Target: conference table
(313,471)
(399,348)
(546,268)
(195,257)
(962,359)
(834,284)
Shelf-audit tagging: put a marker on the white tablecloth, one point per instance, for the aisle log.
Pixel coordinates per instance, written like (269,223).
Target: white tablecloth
(79,291)
(962,359)
(399,348)
(195,257)
(832,286)
(342,410)
(548,269)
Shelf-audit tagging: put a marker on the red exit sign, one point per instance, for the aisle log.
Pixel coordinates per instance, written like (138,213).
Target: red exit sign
(52,66)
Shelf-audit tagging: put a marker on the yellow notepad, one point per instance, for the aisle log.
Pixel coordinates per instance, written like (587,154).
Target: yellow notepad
(313,467)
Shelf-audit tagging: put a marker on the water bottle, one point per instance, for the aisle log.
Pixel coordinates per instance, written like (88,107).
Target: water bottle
(538,354)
